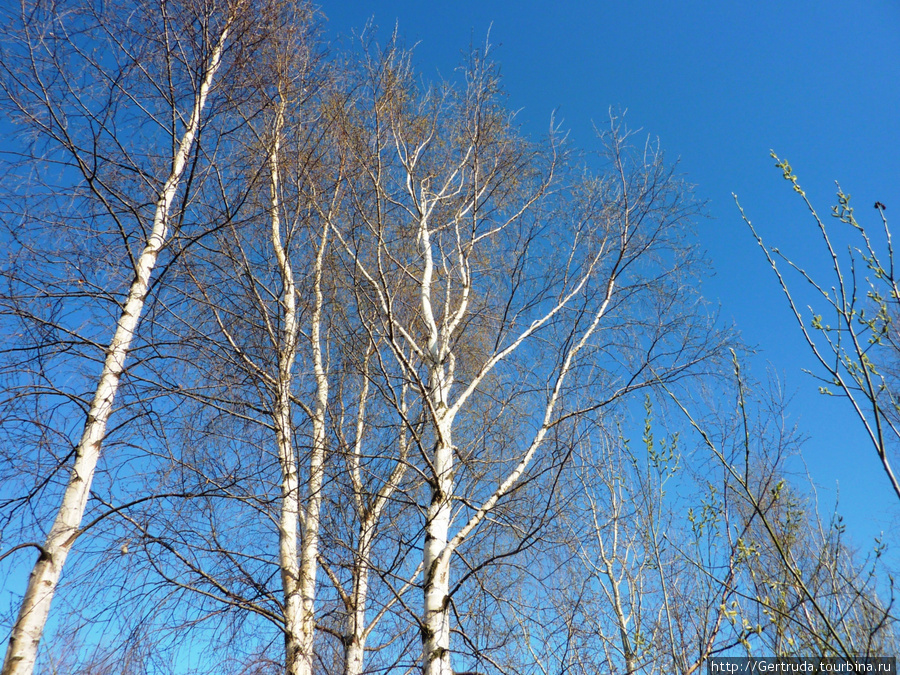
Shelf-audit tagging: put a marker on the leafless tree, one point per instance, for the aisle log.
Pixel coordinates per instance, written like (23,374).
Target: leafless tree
(76,78)
(502,275)
(391,351)
(250,311)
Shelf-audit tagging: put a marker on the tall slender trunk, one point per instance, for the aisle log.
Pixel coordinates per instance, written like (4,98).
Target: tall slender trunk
(435,553)
(309,554)
(369,513)
(29,627)
(355,646)
(289,519)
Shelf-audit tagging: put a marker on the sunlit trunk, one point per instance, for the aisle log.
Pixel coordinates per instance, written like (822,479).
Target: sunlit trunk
(289,520)
(29,627)
(309,556)
(354,651)
(436,565)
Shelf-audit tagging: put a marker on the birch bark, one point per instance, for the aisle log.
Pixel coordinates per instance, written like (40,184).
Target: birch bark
(462,189)
(309,554)
(29,626)
(369,512)
(298,559)
(289,520)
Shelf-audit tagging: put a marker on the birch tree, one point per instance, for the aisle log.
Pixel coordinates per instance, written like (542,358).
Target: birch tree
(306,178)
(373,472)
(475,250)
(73,77)
(260,299)
(298,574)
(260,328)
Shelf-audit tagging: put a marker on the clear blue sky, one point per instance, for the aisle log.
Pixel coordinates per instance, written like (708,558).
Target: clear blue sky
(719,83)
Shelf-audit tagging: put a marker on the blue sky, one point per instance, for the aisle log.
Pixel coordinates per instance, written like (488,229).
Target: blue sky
(720,84)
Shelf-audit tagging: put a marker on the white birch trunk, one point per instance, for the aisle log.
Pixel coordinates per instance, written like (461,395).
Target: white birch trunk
(435,554)
(354,650)
(439,547)
(436,563)
(358,630)
(289,519)
(310,548)
(29,627)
